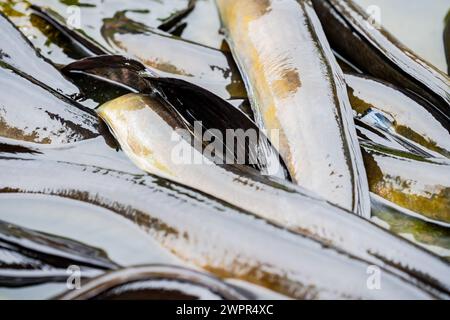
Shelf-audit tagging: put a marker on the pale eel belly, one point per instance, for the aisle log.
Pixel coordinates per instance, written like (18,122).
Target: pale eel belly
(296,87)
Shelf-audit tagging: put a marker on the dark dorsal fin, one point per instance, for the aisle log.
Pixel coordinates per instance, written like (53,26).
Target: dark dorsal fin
(193,104)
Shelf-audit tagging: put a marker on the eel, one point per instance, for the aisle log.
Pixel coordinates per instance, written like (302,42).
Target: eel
(376,52)
(154,282)
(146,131)
(399,113)
(32,111)
(29,257)
(170,214)
(162,53)
(297,89)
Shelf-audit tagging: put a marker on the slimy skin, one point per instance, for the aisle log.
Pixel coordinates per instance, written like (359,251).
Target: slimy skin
(201,231)
(418,184)
(296,87)
(377,53)
(31,112)
(145,129)
(403,116)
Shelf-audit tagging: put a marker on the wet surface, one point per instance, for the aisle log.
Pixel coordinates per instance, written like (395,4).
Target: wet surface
(295,89)
(30,258)
(49,41)
(376,52)
(69,194)
(409,120)
(135,33)
(19,53)
(41,115)
(413,182)
(154,282)
(417,24)
(426,234)
(152,203)
(202,26)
